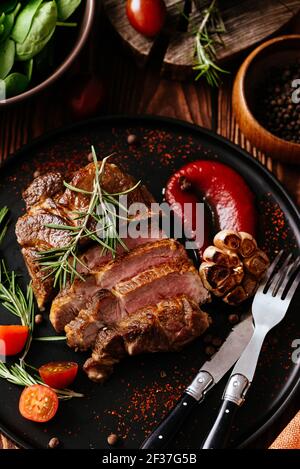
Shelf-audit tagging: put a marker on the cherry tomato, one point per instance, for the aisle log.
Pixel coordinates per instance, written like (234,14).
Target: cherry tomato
(85,96)
(38,403)
(59,375)
(13,339)
(146,16)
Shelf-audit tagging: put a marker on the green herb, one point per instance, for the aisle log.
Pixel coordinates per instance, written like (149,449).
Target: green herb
(14,300)
(41,30)
(205,53)
(7,57)
(54,338)
(24,20)
(61,262)
(26,28)
(18,375)
(3,222)
(15,83)
(66,8)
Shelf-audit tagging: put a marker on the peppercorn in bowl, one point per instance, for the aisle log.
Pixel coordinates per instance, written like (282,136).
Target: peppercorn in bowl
(266,98)
(38,43)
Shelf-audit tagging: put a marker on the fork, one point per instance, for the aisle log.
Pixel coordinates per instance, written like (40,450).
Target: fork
(269,307)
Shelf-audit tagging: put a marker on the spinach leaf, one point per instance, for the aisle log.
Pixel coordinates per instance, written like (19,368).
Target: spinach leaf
(8,23)
(28,68)
(41,31)
(24,20)
(15,83)
(66,8)
(7,57)
(8,5)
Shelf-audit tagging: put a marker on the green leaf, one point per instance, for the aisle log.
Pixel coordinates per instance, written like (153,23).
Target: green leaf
(28,68)
(15,83)
(7,57)
(7,26)
(8,5)
(41,31)
(24,20)
(66,8)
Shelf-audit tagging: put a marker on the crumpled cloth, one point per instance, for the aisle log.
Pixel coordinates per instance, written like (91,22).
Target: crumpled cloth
(289,438)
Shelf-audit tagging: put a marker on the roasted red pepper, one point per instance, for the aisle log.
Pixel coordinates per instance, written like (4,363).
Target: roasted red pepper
(225,192)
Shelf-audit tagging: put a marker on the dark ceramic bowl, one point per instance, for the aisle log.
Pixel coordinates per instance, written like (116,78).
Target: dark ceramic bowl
(84,28)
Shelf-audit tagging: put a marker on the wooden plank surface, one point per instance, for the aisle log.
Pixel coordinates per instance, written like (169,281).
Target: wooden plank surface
(130,90)
(247,23)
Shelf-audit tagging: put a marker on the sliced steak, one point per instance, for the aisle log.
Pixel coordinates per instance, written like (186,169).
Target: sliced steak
(167,326)
(48,202)
(165,276)
(43,187)
(132,271)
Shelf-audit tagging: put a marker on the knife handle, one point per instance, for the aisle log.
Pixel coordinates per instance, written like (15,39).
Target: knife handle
(233,398)
(172,423)
(169,427)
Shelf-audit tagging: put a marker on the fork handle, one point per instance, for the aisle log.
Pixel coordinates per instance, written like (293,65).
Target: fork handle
(233,398)
(220,433)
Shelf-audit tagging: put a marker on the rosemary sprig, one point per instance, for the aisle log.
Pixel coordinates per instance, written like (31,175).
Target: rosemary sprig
(3,222)
(16,302)
(17,374)
(205,53)
(61,263)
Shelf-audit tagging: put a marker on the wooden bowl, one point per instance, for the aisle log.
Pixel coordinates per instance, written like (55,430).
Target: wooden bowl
(88,13)
(250,78)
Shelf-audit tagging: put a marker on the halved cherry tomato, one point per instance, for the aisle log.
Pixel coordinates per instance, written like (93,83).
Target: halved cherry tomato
(38,403)
(13,339)
(146,16)
(59,375)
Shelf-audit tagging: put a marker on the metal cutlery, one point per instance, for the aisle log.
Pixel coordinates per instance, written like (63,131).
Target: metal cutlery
(270,305)
(209,375)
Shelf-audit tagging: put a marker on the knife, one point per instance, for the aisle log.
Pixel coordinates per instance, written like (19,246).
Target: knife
(209,375)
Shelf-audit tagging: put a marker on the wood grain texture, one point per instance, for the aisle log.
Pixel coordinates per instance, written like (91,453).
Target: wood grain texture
(132,90)
(247,22)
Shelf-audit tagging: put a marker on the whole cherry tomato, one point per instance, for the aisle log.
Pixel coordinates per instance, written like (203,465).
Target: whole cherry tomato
(146,16)
(13,339)
(58,375)
(38,403)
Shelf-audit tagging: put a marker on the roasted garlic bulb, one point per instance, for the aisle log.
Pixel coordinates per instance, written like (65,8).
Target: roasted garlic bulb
(233,266)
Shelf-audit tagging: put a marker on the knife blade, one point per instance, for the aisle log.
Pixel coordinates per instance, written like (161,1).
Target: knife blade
(208,376)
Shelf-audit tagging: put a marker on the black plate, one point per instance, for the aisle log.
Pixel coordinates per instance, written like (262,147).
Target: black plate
(144,387)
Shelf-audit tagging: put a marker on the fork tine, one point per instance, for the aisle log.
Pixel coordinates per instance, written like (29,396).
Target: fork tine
(290,272)
(271,270)
(279,277)
(293,288)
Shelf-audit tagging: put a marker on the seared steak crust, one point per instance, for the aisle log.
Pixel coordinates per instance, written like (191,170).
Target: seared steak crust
(167,326)
(48,202)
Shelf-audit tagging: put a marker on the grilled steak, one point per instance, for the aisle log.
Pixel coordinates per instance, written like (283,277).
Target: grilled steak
(48,203)
(167,326)
(146,270)
(146,300)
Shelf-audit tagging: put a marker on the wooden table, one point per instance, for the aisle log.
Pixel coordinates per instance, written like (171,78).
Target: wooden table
(130,90)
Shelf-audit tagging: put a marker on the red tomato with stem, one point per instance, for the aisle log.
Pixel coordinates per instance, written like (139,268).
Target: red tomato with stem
(146,16)
(13,339)
(59,375)
(38,403)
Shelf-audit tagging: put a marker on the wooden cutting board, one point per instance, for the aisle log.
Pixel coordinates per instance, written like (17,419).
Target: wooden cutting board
(247,22)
